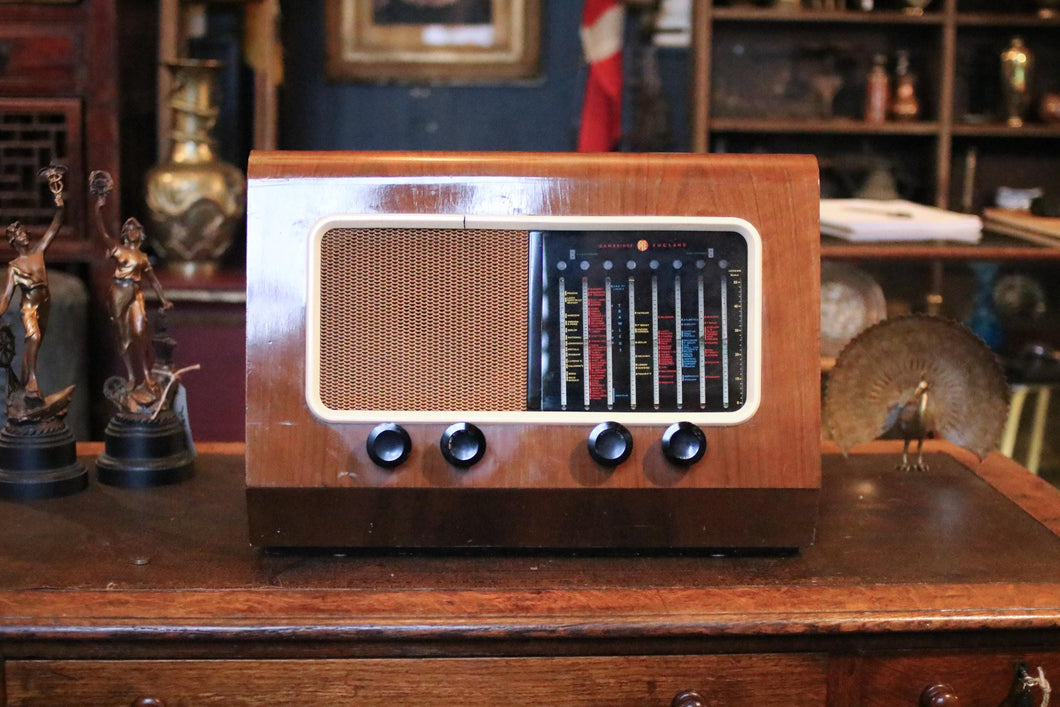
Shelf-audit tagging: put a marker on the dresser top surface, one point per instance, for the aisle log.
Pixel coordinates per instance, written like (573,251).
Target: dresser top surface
(953,548)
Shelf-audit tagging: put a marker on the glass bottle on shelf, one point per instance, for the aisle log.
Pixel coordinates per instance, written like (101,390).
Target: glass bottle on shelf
(1017,63)
(905,105)
(877,91)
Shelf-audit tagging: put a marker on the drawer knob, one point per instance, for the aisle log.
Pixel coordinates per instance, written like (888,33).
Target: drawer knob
(939,695)
(148,702)
(688,698)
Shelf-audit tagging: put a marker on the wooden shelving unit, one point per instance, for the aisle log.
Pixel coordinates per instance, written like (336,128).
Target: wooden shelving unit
(951,46)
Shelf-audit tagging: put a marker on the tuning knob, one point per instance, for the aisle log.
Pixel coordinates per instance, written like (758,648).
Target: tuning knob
(610,444)
(389,445)
(463,444)
(683,443)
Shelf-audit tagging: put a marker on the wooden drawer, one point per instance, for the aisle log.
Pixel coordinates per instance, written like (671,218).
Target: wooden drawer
(40,59)
(468,682)
(977,679)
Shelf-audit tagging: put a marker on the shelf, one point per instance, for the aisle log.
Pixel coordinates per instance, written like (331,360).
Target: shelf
(993,247)
(995,20)
(845,126)
(1032,130)
(883,17)
(875,17)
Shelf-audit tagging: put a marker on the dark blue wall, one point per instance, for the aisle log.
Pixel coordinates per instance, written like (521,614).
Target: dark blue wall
(537,115)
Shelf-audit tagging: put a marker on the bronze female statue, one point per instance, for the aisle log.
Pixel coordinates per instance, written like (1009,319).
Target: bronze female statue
(27,272)
(127,308)
(147,442)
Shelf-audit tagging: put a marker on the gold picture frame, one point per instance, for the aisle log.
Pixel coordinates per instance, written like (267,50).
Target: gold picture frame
(433,40)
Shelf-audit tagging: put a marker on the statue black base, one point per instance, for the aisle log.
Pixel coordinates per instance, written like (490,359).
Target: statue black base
(39,460)
(140,451)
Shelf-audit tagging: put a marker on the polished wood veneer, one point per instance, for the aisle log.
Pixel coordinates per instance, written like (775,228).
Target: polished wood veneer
(950,576)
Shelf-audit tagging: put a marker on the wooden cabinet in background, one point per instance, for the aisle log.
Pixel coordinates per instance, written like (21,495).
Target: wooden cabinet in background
(58,101)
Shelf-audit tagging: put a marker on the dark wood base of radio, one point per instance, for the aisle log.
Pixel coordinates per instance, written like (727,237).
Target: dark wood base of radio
(771,518)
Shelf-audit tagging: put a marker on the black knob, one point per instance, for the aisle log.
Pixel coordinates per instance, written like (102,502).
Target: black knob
(683,443)
(389,445)
(463,444)
(610,444)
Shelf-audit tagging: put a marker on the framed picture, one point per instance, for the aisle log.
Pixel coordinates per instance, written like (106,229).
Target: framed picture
(433,40)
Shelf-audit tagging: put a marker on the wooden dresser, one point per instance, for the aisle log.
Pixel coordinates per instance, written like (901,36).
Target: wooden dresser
(149,597)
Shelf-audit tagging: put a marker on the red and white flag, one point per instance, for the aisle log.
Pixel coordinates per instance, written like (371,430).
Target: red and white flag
(601,33)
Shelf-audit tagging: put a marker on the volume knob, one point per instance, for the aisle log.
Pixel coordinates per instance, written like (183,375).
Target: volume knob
(463,444)
(389,445)
(683,443)
(610,444)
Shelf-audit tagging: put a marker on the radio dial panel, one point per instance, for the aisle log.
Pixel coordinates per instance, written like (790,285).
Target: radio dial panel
(639,320)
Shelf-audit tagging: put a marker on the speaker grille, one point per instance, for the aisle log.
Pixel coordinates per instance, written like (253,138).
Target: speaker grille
(423,319)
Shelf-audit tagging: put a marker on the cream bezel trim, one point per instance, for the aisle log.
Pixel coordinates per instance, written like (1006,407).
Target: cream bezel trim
(753,323)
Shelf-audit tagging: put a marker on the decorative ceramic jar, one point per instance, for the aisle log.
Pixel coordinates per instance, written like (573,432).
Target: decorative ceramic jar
(195,200)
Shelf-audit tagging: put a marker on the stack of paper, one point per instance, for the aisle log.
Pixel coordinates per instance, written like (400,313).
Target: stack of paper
(896,220)
(1044,230)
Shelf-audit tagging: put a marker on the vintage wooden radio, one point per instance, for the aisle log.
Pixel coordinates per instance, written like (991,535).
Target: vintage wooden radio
(459,350)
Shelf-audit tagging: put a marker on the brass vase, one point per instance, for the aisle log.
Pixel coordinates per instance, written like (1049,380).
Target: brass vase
(1017,65)
(195,200)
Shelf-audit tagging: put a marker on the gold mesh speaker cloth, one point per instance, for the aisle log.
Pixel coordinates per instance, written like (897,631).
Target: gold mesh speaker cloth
(423,319)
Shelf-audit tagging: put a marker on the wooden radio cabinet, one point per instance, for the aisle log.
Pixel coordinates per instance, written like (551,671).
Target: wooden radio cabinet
(148,597)
(462,349)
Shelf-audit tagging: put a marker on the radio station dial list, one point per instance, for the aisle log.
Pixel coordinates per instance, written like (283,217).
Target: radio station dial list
(641,321)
